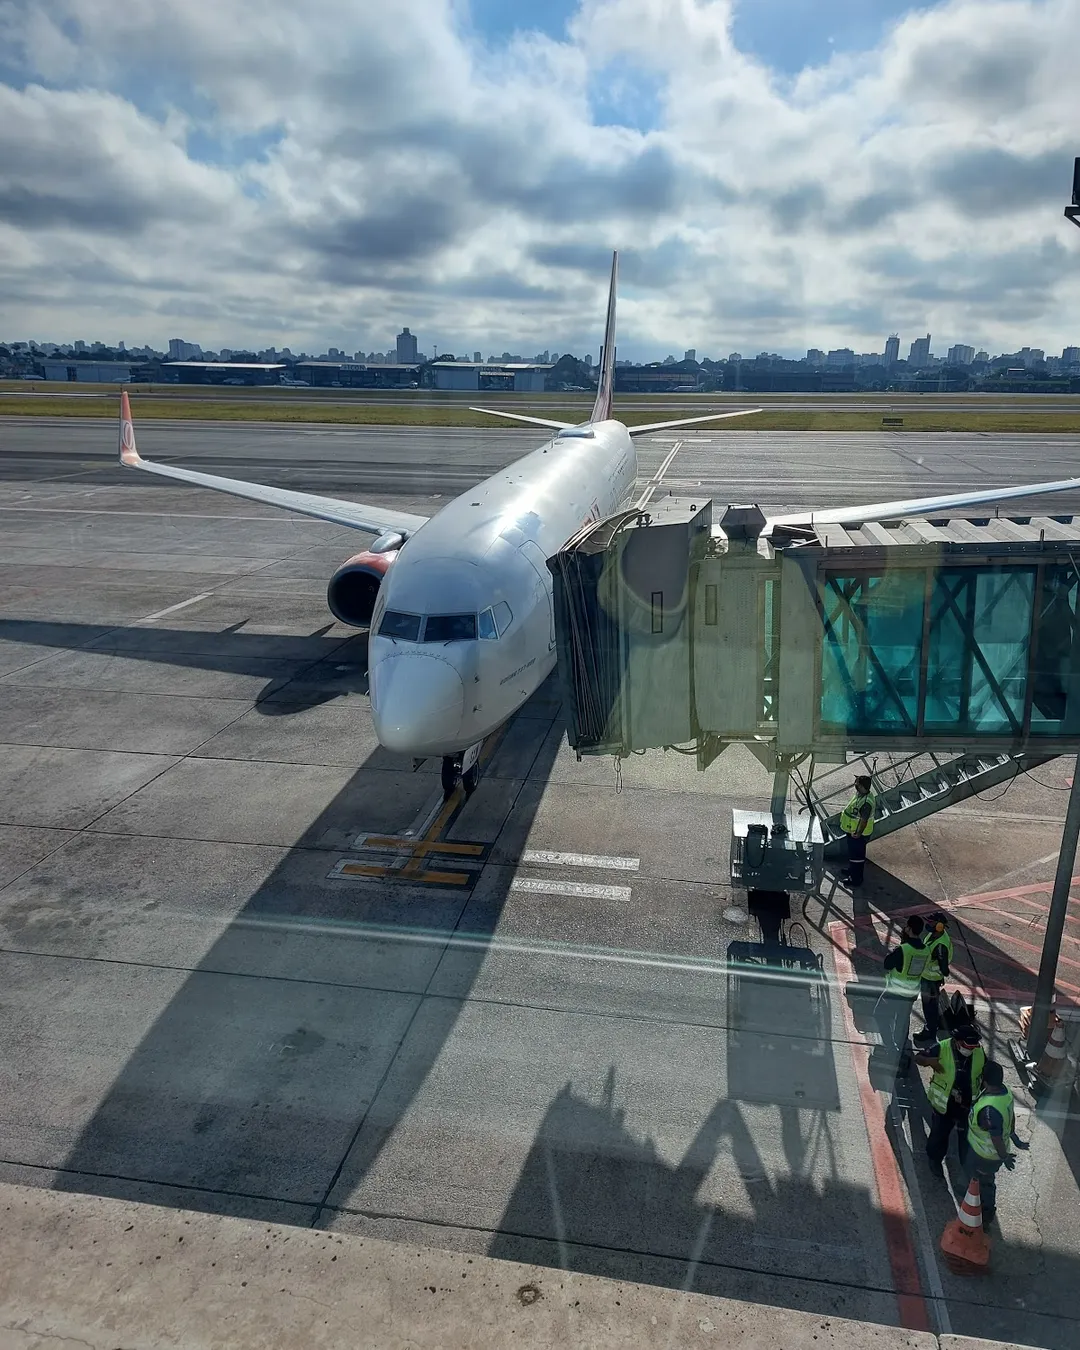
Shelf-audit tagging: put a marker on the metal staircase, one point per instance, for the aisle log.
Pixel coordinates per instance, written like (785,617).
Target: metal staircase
(909,787)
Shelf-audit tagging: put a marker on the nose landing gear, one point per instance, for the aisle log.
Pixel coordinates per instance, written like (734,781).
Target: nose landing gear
(463,768)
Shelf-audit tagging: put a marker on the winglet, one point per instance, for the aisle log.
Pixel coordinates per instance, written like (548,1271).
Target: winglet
(602,407)
(128,453)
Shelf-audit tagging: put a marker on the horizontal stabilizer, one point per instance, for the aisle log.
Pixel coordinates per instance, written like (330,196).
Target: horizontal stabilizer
(520,417)
(919,506)
(689,421)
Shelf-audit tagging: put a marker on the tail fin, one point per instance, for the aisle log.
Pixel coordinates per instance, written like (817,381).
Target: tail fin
(602,407)
(129,455)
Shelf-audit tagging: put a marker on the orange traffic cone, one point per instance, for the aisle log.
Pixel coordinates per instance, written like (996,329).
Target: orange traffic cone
(1054,1056)
(964,1243)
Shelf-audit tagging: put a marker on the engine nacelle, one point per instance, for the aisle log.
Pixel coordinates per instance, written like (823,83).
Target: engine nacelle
(354,587)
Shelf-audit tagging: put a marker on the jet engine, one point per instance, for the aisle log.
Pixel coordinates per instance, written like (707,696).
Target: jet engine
(354,587)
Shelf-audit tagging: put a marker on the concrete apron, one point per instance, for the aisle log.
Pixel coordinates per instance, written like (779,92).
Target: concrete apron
(106,1272)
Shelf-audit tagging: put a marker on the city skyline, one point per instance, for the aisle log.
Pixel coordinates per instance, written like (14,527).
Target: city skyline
(920,353)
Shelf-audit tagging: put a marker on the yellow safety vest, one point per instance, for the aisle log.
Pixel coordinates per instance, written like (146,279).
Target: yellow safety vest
(941,1085)
(980,1139)
(933,970)
(905,981)
(849,816)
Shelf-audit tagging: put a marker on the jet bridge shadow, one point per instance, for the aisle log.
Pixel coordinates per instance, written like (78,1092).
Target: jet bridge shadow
(263,1068)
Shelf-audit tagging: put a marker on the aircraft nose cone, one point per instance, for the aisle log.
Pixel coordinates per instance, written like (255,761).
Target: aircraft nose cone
(418,704)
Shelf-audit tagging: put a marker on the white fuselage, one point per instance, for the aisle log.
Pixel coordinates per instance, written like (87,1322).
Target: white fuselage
(482,560)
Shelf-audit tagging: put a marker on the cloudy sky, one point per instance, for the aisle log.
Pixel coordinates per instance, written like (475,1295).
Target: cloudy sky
(776,173)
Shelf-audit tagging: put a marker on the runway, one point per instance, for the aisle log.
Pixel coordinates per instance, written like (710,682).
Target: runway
(419,468)
(236,977)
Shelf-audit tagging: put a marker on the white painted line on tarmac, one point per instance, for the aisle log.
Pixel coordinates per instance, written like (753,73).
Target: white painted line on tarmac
(160,614)
(543,857)
(583,889)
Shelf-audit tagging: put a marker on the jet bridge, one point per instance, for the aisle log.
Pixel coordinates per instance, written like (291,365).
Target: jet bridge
(950,643)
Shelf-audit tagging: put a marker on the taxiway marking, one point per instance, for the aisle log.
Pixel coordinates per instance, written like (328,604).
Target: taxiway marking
(543,857)
(586,890)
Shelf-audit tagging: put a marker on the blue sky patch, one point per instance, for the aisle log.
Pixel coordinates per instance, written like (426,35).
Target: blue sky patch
(209,147)
(790,35)
(496,21)
(624,95)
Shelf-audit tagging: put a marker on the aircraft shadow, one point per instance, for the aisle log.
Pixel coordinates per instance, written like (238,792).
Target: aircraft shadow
(299,671)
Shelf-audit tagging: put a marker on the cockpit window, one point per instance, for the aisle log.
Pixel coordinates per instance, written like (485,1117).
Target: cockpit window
(450,628)
(397,625)
(503,616)
(486,625)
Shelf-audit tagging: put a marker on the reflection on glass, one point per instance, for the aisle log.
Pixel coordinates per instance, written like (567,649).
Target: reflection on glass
(450,628)
(977,668)
(397,625)
(870,655)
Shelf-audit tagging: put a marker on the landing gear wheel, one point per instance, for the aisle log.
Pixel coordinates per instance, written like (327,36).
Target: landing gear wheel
(451,773)
(470,778)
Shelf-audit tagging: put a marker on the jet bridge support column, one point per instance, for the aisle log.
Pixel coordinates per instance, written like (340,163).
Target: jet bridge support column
(1055,926)
(781,779)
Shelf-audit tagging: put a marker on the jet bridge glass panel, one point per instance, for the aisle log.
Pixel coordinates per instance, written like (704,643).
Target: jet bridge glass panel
(958,651)
(870,655)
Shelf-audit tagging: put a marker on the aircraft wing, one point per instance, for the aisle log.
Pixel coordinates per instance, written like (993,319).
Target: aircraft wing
(918,506)
(357,515)
(688,421)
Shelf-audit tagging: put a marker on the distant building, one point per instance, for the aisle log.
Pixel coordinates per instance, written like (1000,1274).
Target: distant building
(1032,356)
(919,353)
(92,372)
(690,354)
(222,372)
(982,356)
(960,355)
(373,374)
(179,350)
(519,376)
(1071,356)
(406,348)
(477,357)
(814,356)
(892,350)
(840,356)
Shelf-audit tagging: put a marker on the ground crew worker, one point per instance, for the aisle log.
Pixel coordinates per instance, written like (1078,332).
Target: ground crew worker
(857,822)
(958,1062)
(939,947)
(904,966)
(990,1130)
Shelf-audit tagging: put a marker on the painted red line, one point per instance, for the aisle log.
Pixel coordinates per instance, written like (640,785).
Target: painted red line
(896,1221)
(1016,891)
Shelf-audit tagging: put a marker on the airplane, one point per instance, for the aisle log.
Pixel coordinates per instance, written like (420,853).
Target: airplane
(459,606)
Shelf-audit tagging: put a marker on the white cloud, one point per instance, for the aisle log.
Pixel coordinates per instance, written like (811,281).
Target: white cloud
(379,167)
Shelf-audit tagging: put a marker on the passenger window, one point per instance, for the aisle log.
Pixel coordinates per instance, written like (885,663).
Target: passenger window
(450,628)
(397,625)
(486,626)
(503,617)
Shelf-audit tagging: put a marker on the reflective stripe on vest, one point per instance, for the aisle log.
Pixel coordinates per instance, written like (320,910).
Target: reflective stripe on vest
(933,970)
(941,1085)
(979,1139)
(906,980)
(849,816)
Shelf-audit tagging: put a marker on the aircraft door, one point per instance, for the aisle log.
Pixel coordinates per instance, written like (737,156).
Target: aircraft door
(535,555)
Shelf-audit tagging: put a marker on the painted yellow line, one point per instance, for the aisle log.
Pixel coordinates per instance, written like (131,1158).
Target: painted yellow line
(422,846)
(443,878)
(363,870)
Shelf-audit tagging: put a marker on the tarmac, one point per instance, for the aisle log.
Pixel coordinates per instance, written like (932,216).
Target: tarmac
(237,982)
